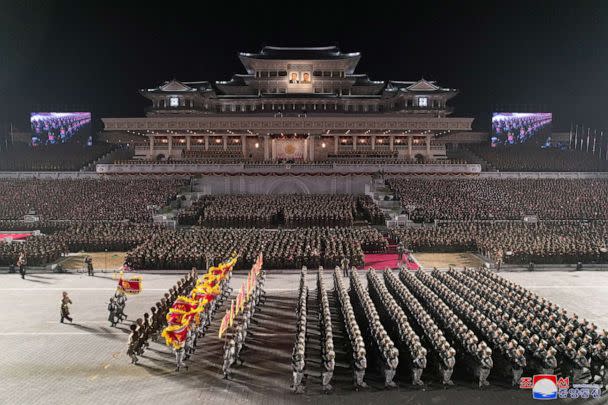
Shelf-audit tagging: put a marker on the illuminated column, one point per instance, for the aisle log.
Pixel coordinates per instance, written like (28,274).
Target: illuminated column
(374,142)
(428,146)
(391,140)
(305,150)
(244,145)
(266,147)
(206,142)
(170,138)
(409,146)
(225,141)
(312,143)
(188,142)
(151,137)
(336,140)
(354,142)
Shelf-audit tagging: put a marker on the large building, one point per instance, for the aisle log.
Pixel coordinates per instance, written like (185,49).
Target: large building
(294,104)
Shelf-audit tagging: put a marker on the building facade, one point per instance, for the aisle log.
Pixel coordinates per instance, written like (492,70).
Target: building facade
(294,104)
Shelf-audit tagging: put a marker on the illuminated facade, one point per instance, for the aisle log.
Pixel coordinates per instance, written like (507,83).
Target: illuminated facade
(295,104)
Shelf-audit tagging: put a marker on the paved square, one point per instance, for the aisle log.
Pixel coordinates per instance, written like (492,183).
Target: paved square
(45,362)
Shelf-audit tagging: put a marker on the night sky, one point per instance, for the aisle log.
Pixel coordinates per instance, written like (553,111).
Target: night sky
(543,55)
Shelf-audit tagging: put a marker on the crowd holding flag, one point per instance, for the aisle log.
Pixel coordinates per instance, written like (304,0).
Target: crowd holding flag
(185,314)
(132,285)
(240,314)
(243,296)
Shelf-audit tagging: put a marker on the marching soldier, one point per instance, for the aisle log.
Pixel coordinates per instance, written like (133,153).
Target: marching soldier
(598,359)
(121,302)
(21,262)
(112,309)
(65,310)
(344,263)
(329,364)
(485,367)
(419,364)
(132,344)
(400,252)
(179,357)
(549,361)
(229,358)
(88,261)
(518,364)
(448,358)
(581,363)
(359,368)
(297,365)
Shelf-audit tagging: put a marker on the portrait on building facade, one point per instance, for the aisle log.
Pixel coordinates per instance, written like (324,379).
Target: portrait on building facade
(293,77)
(306,77)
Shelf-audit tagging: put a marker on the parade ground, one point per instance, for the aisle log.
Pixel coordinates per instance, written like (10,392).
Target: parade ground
(84,362)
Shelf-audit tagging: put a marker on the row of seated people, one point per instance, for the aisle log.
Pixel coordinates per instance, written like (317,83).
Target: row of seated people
(293,210)
(248,162)
(552,242)
(179,161)
(426,200)
(311,247)
(533,158)
(550,338)
(154,247)
(90,199)
(43,158)
(367,153)
(211,154)
(67,237)
(395,161)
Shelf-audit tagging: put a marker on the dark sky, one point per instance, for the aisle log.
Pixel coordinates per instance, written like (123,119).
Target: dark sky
(515,55)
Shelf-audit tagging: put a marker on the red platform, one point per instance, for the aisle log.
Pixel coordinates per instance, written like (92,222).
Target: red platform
(15,236)
(380,261)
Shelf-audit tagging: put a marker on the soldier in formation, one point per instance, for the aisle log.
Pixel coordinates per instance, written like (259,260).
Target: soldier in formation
(297,359)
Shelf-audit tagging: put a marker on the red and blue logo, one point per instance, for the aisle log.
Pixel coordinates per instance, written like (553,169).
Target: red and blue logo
(544,386)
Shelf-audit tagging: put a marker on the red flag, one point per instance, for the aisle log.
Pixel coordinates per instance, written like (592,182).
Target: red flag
(175,317)
(131,286)
(175,334)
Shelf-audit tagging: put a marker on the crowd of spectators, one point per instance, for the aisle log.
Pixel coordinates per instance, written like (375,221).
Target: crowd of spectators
(515,242)
(68,199)
(154,247)
(311,247)
(533,158)
(426,200)
(59,157)
(290,210)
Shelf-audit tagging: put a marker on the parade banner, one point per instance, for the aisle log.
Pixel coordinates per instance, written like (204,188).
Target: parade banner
(243,295)
(231,312)
(175,316)
(175,335)
(224,325)
(185,304)
(238,304)
(130,286)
